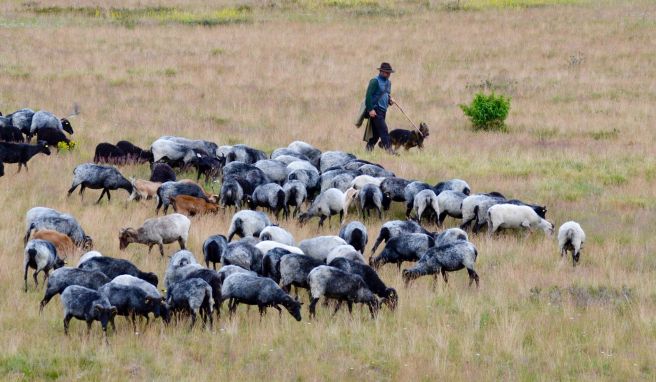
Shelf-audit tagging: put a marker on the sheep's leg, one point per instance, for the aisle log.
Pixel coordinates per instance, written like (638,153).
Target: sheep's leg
(193,319)
(313,307)
(150,247)
(67,321)
(182,243)
(134,321)
(101,195)
(36,281)
(279,310)
(262,310)
(440,218)
(45,277)
(473,276)
(321,220)
(337,306)
(109,197)
(89,322)
(408,210)
(380,213)
(161,249)
(111,322)
(445,276)
(349,304)
(73,187)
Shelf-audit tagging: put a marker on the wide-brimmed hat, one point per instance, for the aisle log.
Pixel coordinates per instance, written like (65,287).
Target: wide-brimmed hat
(386,67)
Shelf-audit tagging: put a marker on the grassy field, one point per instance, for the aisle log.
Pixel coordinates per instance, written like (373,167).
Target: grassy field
(581,140)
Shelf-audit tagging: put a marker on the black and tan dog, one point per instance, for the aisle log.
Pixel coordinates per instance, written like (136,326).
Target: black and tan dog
(409,138)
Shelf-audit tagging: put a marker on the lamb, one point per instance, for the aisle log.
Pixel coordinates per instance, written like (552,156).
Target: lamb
(261,291)
(445,258)
(409,195)
(295,195)
(52,137)
(62,242)
(161,173)
(319,247)
(21,153)
(312,153)
(213,249)
(426,200)
(345,251)
(513,216)
(130,301)
(355,234)
(271,263)
(97,177)
(67,276)
(170,189)
(247,223)
(41,256)
(192,206)
(46,120)
(135,153)
(277,234)
(457,185)
(160,231)
(275,170)
(331,282)
(108,153)
(270,196)
(113,267)
(231,193)
(371,197)
(193,296)
(294,270)
(407,247)
(47,218)
(243,153)
(571,238)
(395,188)
(450,204)
(329,203)
(245,255)
(395,228)
(388,295)
(143,189)
(331,159)
(87,305)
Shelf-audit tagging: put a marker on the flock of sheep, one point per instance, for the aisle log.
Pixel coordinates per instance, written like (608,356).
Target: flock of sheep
(261,267)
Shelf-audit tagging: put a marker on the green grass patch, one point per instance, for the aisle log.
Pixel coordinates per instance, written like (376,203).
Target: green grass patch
(598,135)
(487,4)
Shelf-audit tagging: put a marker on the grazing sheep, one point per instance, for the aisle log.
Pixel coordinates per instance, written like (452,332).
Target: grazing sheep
(64,277)
(193,296)
(212,278)
(409,194)
(311,180)
(295,195)
(277,234)
(362,180)
(395,228)
(208,166)
(274,170)
(426,200)
(93,176)
(130,301)
(345,251)
(406,247)
(87,305)
(169,190)
(40,255)
(319,247)
(253,175)
(355,234)
(449,236)
(330,159)
(375,171)
(143,189)
(261,291)
(180,265)
(231,193)
(475,205)
(192,206)
(38,218)
(108,153)
(150,289)
(294,270)
(22,120)
(213,249)
(371,197)
(21,153)
(287,155)
(331,282)
(540,210)
(450,204)
(457,185)
(52,137)
(160,231)
(201,146)
(243,153)
(243,254)
(135,153)
(247,223)
(8,132)
(113,267)
(228,270)
(46,120)
(395,188)
(162,173)
(445,258)
(371,278)
(571,238)
(62,242)
(312,153)
(271,263)
(337,178)
(270,196)
(179,150)
(329,203)
(513,216)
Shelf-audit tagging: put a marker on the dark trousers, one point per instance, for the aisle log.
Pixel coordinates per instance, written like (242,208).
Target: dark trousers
(379,127)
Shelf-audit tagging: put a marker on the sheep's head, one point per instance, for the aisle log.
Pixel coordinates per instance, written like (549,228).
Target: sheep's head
(87,243)
(59,263)
(409,275)
(66,125)
(391,298)
(44,147)
(126,236)
(548,227)
(214,199)
(293,307)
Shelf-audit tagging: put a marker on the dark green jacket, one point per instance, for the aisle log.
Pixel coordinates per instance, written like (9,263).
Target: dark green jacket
(375,97)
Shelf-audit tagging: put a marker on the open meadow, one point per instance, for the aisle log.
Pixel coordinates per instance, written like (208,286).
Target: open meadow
(581,140)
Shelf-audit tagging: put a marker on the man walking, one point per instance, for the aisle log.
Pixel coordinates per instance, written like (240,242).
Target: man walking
(377,100)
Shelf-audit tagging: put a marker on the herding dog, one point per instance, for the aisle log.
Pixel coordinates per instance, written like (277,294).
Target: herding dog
(409,138)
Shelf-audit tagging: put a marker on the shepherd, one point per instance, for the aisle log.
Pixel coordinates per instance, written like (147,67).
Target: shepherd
(377,100)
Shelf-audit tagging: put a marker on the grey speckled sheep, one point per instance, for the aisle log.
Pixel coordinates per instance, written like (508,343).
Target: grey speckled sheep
(294,270)
(407,247)
(331,159)
(312,153)
(319,247)
(227,270)
(457,185)
(193,296)
(261,291)
(270,196)
(395,228)
(571,238)
(245,255)
(450,204)
(67,276)
(231,193)
(271,263)
(87,305)
(113,267)
(329,203)
(449,236)
(371,278)
(409,194)
(331,282)
(213,249)
(355,234)
(277,234)
(96,177)
(371,197)
(426,203)
(275,170)
(160,231)
(445,258)
(39,218)
(247,223)
(40,255)
(395,187)
(295,195)
(345,251)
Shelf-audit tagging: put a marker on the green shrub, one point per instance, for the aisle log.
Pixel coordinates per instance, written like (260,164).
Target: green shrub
(488,112)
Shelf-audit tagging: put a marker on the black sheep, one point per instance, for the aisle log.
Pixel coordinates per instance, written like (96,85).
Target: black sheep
(115,267)
(8,132)
(370,277)
(162,172)
(52,137)
(208,166)
(135,153)
(108,153)
(21,153)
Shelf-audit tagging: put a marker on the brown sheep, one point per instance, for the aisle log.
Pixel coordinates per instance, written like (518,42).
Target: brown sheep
(191,206)
(211,198)
(143,189)
(63,243)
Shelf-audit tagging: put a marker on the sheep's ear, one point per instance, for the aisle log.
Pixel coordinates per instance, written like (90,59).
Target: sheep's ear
(97,307)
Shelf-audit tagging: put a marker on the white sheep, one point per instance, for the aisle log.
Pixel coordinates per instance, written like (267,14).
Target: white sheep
(248,223)
(346,251)
(267,245)
(164,230)
(330,202)
(320,246)
(278,234)
(514,216)
(571,238)
(362,180)
(424,200)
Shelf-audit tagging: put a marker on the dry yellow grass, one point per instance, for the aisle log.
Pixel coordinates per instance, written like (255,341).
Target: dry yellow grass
(581,140)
